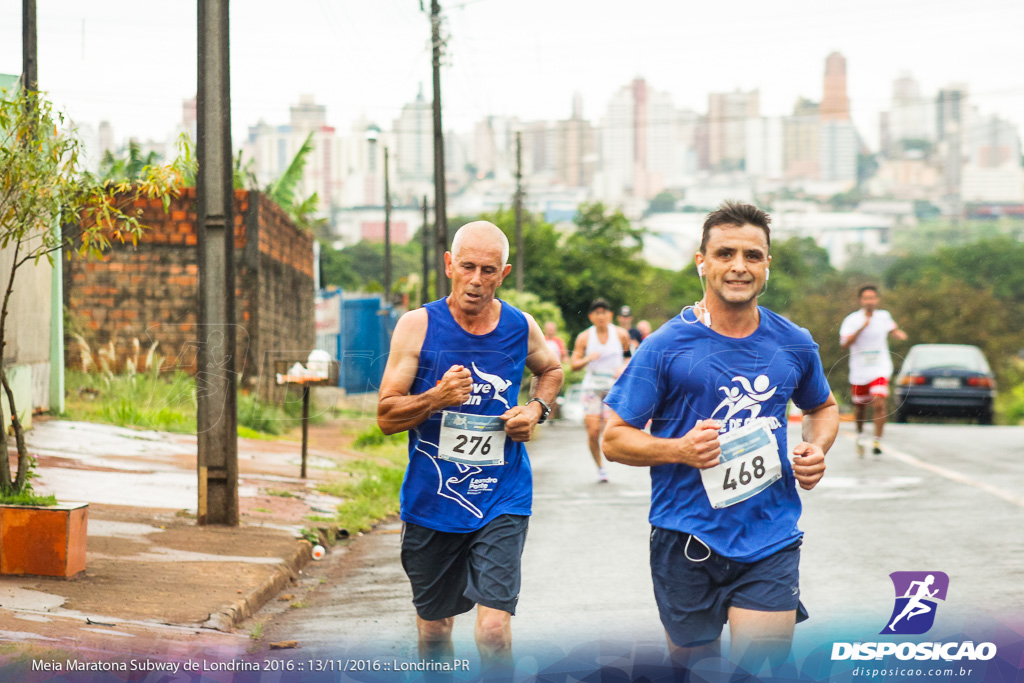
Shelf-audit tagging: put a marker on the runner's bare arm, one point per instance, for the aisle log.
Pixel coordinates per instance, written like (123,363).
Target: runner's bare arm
(624,443)
(520,420)
(847,341)
(818,429)
(578,360)
(397,410)
(626,343)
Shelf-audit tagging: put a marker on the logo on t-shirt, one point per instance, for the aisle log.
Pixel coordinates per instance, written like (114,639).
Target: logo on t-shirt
(747,396)
(490,383)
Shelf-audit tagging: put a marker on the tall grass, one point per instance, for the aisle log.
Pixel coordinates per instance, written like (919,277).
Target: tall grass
(161,401)
(370,492)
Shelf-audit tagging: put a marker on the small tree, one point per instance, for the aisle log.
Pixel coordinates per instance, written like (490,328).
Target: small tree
(42,189)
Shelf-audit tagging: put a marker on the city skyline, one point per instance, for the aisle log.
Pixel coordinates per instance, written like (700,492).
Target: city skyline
(564,52)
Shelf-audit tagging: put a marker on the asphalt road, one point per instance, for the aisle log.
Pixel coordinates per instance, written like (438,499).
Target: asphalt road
(942,498)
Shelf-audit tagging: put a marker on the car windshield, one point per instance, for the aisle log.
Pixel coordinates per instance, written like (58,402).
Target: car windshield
(948,358)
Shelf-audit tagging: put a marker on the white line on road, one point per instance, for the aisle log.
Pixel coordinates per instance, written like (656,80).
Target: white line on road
(951,475)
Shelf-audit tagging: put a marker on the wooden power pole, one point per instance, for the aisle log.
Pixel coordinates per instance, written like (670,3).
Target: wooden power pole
(387,231)
(217,414)
(425,238)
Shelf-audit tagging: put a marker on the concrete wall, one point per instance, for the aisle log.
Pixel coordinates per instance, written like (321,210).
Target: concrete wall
(27,353)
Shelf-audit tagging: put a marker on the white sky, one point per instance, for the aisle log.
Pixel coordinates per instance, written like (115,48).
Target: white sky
(135,61)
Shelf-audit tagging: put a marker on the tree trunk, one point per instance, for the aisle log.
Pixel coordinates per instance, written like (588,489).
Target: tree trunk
(6,486)
(5,461)
(19,441)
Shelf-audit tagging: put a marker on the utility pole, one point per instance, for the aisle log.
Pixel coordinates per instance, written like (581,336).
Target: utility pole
(519,211)
(425,238)
(440,203)
(29,50)
(387,231)
(217,415)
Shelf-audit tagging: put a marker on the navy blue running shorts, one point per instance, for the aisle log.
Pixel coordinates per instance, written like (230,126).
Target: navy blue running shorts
(694,595)
(452,572)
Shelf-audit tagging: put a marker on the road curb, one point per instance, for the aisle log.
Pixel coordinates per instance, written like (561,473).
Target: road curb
(230,616)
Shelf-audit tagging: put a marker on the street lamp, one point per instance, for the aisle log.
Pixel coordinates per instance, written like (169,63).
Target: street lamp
(372,133)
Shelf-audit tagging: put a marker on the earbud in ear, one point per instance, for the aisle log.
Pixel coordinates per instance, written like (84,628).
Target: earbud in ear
(700,270)
(767,274)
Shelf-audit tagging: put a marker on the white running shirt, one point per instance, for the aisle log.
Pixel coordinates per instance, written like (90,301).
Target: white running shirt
(869,355)
(600,372)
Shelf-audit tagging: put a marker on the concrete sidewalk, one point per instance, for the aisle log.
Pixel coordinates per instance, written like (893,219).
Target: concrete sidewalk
(153,578)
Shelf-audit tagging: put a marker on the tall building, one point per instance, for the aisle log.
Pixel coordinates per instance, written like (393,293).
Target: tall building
(837,138)
(272,149)
(951,123)
(993,142)
(764,155)
(835,104)
(575,149)
(639,143)
(909,116)
(950,110)
(801,157)
(727,124)
(412,159)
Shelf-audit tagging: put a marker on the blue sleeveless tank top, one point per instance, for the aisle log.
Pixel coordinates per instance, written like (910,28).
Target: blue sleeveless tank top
(451,496)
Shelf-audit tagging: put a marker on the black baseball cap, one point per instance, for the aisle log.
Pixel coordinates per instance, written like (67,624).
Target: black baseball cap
(599,303)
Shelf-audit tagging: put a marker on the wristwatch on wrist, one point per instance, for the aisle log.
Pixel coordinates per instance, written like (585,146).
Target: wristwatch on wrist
(544,409)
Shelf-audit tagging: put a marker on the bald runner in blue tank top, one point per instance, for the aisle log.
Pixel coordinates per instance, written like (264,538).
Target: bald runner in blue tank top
(451,496)
(686,372)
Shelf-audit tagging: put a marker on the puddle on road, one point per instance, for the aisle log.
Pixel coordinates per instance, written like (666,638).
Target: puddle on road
(868,488)
(15,598)
(129,530)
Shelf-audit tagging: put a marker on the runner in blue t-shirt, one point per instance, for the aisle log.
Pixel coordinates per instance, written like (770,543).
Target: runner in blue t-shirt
(452,381)
(715,382)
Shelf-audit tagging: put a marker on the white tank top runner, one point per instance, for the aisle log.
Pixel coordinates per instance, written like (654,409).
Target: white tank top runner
(600,371)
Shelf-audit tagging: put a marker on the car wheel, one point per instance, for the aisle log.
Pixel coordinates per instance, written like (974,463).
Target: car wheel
(901,416)
(986,418)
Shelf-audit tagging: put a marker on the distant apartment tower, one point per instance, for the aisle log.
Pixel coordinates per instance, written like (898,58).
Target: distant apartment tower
(950,110)
(727,122)
(838,145)
(412,159)
(575,149)
(993,142)
(493,148)
(835,104)
(909,116)
(801,156)
(272,149)
(764,153)
(638,142)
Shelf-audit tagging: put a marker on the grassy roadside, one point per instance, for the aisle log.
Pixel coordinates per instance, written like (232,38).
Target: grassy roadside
(370,489)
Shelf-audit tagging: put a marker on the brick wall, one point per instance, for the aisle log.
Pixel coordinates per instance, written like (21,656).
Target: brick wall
(149,291)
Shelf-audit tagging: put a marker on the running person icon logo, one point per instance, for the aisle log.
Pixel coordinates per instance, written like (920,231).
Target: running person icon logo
(747,396)
(916,595)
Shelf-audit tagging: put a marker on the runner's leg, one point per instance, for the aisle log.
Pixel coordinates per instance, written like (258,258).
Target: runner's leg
(593,425)
(878,407)
(435,639)
(760,637)
(493,636)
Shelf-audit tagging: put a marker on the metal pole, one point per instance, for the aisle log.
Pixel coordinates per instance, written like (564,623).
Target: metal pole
(440,205)
(425,237)
(217,415)
(305,426)
(519,211)
(387,231)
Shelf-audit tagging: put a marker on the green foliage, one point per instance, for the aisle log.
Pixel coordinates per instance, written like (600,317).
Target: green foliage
(261,417)
(542,311)
(369,495)
(373,436)
(131,168)
(663,203)
(356,267)
(284,190)
(26,497)
(799,266)
(43,185)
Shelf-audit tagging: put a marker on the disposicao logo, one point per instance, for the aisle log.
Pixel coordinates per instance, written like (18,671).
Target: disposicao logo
(916,596)
(913,613)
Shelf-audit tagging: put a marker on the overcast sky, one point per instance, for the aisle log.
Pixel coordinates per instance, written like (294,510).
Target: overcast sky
(133,62)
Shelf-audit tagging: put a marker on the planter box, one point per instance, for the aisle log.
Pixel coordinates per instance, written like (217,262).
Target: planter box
(45,541)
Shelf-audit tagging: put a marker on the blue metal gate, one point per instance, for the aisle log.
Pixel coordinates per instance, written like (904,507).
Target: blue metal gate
(362,345)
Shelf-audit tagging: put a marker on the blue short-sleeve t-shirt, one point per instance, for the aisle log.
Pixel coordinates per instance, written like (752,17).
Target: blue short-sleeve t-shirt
(686,372)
